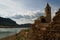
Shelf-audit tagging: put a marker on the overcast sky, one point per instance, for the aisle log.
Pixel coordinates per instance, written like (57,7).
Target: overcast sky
(26,11)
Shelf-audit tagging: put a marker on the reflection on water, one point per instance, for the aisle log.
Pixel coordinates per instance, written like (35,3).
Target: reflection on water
(4,32)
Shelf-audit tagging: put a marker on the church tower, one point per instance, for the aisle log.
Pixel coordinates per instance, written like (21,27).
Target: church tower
(48,13)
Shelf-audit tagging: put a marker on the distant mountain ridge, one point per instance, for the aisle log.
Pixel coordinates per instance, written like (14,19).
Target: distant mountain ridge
(8,23)
(25,25)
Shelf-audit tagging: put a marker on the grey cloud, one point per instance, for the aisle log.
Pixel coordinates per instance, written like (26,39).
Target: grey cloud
(27,16)
(39,14)
(17,16)
(20,16)
(3,6)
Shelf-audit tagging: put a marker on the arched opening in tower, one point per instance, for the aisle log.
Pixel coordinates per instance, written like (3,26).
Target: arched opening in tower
(43,20)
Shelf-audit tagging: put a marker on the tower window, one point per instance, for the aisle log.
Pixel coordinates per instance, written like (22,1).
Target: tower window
(48,9)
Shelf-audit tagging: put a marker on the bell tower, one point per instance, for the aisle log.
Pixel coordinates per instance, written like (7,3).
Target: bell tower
(48,13)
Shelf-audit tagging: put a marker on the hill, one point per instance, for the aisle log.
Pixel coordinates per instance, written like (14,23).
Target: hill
(8,23)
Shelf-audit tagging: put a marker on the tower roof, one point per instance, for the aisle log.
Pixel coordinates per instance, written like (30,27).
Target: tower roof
(47,5)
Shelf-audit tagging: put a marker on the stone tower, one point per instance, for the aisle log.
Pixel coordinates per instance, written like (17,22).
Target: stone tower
(48,13)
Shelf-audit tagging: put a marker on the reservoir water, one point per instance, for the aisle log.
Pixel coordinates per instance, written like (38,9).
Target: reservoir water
(4,32)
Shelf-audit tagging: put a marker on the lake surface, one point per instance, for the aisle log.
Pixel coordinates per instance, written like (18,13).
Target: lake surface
(4,32)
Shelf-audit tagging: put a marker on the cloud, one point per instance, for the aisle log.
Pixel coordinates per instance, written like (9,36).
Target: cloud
(28,18)
(29,15)
(8,7)
(24,20)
